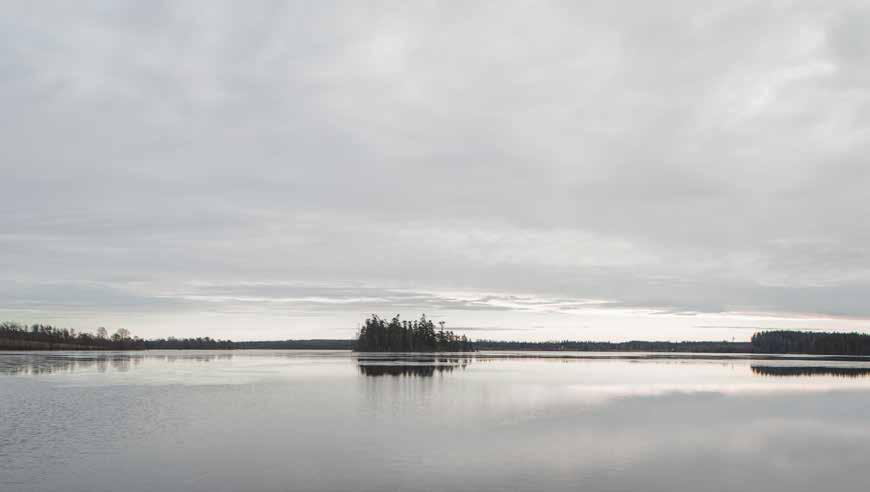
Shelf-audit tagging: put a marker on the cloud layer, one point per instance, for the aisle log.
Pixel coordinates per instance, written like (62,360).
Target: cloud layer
(680,158)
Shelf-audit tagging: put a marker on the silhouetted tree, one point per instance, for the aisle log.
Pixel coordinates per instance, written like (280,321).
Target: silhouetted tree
(401,336)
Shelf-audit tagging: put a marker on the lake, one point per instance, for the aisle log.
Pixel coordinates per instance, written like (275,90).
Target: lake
(335,421)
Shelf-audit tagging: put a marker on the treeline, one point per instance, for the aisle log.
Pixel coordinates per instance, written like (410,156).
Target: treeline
(199,343)
(212,344)
(18,336)
(632,346)
(815,343)
(379,335)
(791,371)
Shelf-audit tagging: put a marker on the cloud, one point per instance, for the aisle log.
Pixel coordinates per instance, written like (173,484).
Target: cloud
(695,158)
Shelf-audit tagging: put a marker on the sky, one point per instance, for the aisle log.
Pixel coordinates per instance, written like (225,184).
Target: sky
(521,170)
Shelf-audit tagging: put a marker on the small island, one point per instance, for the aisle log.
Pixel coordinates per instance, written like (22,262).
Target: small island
(378,335)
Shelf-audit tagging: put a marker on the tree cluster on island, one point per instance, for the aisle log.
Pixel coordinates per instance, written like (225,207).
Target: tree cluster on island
(380,335)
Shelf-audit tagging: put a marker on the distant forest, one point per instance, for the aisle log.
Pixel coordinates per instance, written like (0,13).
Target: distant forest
(379,335)
(16,336)
(633,346)
(817,343)
(765,342)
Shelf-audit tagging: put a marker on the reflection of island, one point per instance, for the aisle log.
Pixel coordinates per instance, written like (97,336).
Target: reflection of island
(793,371)
(424,371)
(411,366)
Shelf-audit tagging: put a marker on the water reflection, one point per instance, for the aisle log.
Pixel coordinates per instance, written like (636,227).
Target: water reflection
(407,370)
(44,363)
(805,371)
(317,421)
(38,364)
(417,365)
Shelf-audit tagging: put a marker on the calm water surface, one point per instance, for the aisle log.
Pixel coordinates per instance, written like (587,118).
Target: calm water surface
(335,421)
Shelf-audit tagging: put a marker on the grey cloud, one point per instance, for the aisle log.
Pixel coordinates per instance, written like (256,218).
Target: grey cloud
(692,157)
(81,296)
(486,328)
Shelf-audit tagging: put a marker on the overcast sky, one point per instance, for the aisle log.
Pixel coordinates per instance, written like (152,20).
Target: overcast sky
(527,170)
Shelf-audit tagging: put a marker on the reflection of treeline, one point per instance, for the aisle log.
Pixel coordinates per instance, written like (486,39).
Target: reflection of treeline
(378,335)
(40,364)
(799,342)
(632,346)
(16,336)
(50,365)
(785,371)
